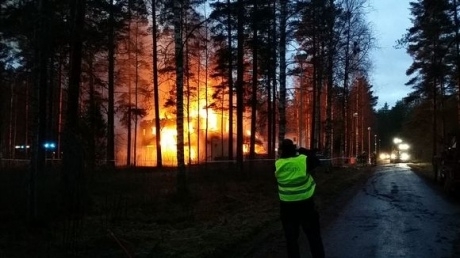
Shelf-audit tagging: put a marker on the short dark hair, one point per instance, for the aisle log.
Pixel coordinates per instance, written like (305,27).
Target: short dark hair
(288,148)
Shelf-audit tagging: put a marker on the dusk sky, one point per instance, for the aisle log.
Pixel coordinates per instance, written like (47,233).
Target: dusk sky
(389,19)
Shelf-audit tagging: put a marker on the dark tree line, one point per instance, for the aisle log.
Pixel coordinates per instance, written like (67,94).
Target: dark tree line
(433,106)
(80,63)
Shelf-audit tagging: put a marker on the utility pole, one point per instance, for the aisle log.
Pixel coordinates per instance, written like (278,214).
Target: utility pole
(369,144)
(375,144)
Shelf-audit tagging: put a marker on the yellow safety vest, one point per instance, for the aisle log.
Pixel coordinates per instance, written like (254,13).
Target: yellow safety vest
(294,183)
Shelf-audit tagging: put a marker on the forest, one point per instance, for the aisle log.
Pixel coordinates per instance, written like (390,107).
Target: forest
(131,80)
(91,87)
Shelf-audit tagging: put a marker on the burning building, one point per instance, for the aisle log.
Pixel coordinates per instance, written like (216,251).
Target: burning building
(206,112)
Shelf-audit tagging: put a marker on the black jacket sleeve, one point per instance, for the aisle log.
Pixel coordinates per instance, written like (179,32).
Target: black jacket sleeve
(312,162)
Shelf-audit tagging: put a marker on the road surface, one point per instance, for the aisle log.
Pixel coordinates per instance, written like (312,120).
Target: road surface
(396,214)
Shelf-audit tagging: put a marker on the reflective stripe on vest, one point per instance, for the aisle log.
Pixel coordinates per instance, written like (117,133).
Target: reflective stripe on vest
(294,183)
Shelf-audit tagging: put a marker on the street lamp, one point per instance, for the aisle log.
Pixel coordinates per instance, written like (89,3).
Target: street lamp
(369,144)
(375,144)
(355,115)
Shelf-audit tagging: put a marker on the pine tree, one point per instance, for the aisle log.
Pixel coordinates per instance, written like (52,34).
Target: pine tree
(428,46)
(283,19)
(72,163)
(223,29)
(155,83)
(110,158)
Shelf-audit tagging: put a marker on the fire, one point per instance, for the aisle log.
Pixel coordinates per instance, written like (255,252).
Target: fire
(258,147)
(206,123)
(201,142)
(209,115)
(168,139)
(212,119)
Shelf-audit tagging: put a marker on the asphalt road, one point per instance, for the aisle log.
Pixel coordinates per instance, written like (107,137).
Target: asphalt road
(396,214)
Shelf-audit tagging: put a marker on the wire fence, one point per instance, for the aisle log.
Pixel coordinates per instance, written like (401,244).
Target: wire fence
(325,162)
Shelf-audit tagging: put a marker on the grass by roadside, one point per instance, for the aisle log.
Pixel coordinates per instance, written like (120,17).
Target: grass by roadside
(134,213)
(423,169)
(334,189)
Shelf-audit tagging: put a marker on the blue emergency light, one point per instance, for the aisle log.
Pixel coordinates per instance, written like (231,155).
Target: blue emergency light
(49,145)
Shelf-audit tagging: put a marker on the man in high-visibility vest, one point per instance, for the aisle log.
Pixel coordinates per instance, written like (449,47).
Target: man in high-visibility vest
(296,188)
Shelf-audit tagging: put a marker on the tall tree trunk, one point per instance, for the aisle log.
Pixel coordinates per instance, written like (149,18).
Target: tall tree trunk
(50,133)
(92,118)
(344,136)
(457,59)
(179,57)
(315,90)
(269,75)
(72,163)
(282,78)
(155,85)
(187,69)
(239,87)
(435,120)
(255,39)
(60,101)
(269,116)
(27,115)
(198,106)
(128,145)
(362,115)
(111,89)
(222,108)
(330,79)
(301,116)
(11,123)
(136,82)
(39,103)
(318,136)
(273,80)
(230,82)
(206,96)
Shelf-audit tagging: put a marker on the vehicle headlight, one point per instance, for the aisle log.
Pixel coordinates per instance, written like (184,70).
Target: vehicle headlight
(405,156)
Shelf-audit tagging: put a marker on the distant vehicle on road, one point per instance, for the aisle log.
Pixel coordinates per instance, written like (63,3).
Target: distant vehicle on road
(399,157)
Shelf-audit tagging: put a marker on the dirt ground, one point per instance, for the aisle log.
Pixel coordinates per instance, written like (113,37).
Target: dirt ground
(136,212)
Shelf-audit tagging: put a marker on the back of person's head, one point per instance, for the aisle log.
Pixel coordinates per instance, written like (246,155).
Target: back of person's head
(287,148)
